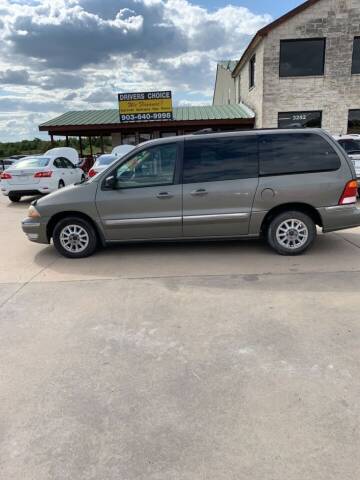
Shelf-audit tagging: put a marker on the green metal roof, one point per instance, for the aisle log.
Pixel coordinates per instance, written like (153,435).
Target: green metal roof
(109,117)
(228,64)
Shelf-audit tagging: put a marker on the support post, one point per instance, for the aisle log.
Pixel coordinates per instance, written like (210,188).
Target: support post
(52,139)
(90,144)
(67,140)
(80,147)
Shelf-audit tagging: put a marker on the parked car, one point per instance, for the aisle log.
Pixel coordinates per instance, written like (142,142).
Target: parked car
(122,150)
(351,145)
(8,162)
(41,174)
(101,163)
(279,184)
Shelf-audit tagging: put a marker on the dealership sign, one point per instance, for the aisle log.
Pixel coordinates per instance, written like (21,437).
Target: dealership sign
(145,106)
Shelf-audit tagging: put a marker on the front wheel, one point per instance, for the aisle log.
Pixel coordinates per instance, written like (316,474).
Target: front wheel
(75,238)
(291,233)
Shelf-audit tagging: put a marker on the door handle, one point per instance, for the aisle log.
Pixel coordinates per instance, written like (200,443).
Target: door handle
(200,192)
(164,195)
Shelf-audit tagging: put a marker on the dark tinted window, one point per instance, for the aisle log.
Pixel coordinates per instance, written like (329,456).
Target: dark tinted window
(296,153)
(67,163)
(215,159)
(300,119)
(356,56)
(354,121)
(58,163)
(350,145)
(252,65)
(302,57)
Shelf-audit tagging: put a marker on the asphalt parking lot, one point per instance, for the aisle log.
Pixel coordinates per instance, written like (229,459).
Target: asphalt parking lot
(179,361)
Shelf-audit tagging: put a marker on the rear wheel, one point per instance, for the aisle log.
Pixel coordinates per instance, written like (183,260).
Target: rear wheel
(13,197)
(75,238)
(61,184)
(291,233)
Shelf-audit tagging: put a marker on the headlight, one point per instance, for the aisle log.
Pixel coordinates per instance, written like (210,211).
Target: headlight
(33,213)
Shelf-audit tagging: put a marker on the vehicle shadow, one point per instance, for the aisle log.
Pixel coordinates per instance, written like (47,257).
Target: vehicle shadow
(23,202)
(249,258)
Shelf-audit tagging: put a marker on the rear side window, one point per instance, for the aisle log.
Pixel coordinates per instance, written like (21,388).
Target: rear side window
(217,159)
(296,153)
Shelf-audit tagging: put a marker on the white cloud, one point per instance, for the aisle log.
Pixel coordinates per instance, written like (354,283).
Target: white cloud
(57,55)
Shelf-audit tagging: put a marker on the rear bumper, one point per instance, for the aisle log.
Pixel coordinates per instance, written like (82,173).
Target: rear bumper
(23,192)
(339,217)
(35,230)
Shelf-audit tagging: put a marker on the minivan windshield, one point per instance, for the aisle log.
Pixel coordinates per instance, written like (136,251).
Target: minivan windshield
(32,162)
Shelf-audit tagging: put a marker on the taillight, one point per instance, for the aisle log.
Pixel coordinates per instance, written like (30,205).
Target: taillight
(5,176)
(92,172)
(43,174)
(350,193)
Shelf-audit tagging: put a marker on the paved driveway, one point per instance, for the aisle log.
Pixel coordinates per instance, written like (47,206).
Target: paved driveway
(193,361)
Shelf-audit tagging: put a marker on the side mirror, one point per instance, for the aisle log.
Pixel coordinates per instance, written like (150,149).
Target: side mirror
(109,182)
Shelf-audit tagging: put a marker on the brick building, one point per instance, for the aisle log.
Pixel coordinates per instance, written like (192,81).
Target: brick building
(301,70)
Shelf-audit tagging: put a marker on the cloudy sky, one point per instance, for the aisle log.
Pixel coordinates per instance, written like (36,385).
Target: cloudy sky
(60,55)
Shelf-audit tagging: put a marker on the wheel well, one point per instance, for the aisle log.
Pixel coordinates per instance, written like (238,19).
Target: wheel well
(60,216)
(300,207)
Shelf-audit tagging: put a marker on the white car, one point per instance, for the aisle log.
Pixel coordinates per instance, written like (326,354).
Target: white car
(105,160)
(101,163)
(122,150)
(41,174)
(351,145)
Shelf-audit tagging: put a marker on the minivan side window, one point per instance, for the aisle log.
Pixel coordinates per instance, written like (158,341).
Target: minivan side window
(282,154)
(150,167)
(218,159)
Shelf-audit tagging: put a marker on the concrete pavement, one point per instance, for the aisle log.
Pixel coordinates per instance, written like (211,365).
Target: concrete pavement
(191,361)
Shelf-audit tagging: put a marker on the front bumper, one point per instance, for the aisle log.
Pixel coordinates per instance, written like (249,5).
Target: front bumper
(339,217)
(35,230)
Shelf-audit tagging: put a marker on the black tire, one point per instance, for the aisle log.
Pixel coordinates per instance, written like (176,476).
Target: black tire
(61,184)
(297,245)
(92,241)
(13,197)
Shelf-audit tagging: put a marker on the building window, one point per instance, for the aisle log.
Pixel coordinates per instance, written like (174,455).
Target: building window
(252,65)
(300,119)
(354,121)
(301,58)
(129,139)
(168,134)
(144,137)
(356,56)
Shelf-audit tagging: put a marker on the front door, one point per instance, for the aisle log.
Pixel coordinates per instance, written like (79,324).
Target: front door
(220,177)
(145,199)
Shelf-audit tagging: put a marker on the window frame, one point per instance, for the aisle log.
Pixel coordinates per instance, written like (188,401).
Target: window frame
(299,113)
(300,172)
(252,72)
(247,134)
(348,127)
(298,40)
(353,56)
(137,151)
